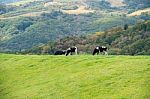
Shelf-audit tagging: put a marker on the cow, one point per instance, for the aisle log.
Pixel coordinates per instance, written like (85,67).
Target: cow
(71,50)
(60,52)
(100,49)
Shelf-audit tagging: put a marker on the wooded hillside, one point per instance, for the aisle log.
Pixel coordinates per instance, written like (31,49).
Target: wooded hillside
(130,40)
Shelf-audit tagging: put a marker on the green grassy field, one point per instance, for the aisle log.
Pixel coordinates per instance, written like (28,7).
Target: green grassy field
(74,77)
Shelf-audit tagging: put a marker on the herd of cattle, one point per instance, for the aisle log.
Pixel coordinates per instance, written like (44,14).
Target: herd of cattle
(71,50)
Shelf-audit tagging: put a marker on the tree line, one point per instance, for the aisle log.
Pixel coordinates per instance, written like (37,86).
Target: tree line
(132,40)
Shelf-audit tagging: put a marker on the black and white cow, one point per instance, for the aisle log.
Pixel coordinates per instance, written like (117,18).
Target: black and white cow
(100,49)
(71,50)
(60,52)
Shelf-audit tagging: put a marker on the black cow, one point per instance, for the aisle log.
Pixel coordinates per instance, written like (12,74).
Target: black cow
(100,49)
(60,52)
(71,50)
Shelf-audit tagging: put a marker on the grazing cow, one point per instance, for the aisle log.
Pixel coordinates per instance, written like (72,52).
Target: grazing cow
(71,50)
(100,49)
(60,52)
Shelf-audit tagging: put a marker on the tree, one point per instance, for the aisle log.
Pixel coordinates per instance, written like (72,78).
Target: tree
(2,9)
(125,26)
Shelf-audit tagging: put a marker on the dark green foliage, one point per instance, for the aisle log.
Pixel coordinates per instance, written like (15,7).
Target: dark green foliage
(145,16)
(102,4)
(2,9)
(24,33)
(138,3)
(133,41)
(6,8)
(8,1)
(23,24)
(42,49)
(125,26)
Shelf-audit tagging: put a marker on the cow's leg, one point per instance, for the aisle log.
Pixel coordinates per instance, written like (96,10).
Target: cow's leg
(76,51)
(102,53)
(68,52)
(97,53)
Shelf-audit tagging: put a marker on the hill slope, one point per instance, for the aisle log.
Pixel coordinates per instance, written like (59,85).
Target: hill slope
(40,21)
(116,3)
(70,77)
(139,12)
(9,1)
(135,40)
(24,33)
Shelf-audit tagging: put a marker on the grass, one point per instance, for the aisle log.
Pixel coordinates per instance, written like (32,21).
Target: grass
(80,10)
(116,3)
(74,77)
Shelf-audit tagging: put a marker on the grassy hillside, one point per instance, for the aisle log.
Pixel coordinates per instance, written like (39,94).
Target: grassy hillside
(116,3)
(35,22)
(139,12)
(24,33)
(81,77)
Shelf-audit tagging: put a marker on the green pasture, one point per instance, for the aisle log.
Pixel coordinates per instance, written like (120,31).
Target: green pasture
(74,77)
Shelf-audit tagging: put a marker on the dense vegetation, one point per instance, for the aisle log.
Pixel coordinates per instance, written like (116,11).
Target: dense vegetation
(138,3)
(82,77)
(24,33)
(132,40)
(8,1)
(31,24)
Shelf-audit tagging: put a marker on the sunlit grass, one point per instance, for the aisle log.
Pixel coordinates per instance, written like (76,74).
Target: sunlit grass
(80,10)
(79,77)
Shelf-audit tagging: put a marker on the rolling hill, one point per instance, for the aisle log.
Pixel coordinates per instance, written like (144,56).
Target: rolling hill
(140,12)
(39,21)
(132,40)
(137,4)
(82,77)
